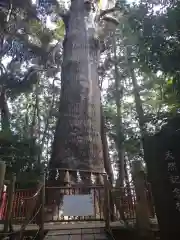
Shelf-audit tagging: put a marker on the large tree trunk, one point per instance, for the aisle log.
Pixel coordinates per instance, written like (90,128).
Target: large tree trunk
(77,143)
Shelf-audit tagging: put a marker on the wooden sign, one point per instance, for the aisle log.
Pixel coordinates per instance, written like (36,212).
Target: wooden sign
(78,205)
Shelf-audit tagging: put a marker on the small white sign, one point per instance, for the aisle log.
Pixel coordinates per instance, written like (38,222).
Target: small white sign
(78,205)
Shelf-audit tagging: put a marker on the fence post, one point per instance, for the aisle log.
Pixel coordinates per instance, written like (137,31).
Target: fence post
(2,175)
(10,197)
(142,213)
(106,203)
(42,202)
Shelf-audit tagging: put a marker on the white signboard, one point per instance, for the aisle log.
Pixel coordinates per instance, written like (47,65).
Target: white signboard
(78,205)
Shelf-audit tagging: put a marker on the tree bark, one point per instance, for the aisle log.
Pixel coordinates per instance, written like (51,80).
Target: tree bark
(107,162)
(119,132)
(5,123)
(138,102)
(77,142)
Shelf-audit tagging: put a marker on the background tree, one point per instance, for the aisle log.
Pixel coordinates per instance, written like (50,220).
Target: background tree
(26,44)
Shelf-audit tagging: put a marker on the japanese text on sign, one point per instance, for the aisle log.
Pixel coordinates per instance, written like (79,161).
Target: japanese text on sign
(173,177)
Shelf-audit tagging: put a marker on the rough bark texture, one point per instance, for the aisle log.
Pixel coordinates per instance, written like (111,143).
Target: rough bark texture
(77,143)
(5,125)
(138,102)
(107,162)
(119,124)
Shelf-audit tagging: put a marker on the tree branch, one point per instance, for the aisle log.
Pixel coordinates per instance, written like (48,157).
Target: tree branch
(111,19)
(107,11)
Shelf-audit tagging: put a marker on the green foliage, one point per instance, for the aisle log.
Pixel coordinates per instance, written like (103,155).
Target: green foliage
(60,30)
(19,154)
(158,36)
(157,91)
(27,56)
(147,45)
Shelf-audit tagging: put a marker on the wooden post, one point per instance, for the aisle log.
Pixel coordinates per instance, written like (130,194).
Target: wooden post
(99,179)
(2,175)
(67,182)
(42,212)
(142,213)
(67,179)
(11,189)
(106,203)
(99,196)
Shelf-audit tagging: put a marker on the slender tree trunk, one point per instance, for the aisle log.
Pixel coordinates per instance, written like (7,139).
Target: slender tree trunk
(138,102)
(107,162)
(5,123)
(127,182)
(119,132)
